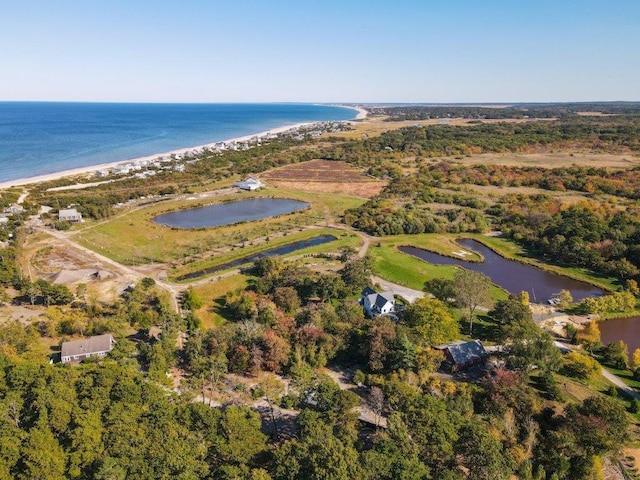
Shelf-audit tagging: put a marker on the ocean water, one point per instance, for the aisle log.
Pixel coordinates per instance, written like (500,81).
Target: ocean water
(38,138)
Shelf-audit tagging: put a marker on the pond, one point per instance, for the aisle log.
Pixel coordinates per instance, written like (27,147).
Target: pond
(618,329)
(230,212)
(282,250)
(511,275)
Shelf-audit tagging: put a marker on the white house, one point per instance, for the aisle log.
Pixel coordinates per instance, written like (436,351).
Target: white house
(13,209)
(375,303)
(69,215)
(78,350)
(121,169)
(250,183)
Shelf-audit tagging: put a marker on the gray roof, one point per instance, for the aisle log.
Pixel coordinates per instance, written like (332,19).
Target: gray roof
(68,212)
(467,352)
(379,300)
(84,346)
(367,291)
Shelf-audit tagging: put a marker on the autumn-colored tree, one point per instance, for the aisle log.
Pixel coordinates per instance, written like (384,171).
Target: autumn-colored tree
(564,299)
(432,321)
(275,351)
(287,299)
(589,336)
(635,359)
(581,365)
(380,336)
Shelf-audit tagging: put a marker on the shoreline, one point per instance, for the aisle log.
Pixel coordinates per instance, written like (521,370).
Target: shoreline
(20,182)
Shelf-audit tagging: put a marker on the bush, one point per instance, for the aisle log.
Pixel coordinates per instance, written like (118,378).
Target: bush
(581,366)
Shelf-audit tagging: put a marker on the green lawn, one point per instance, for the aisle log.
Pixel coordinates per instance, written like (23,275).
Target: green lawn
(132,238)
(212,295)
(626,376)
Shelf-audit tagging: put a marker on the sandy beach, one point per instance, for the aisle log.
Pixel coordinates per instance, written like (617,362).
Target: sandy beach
(362,113)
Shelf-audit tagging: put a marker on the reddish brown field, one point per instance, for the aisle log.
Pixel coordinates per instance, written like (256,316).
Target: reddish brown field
(324,176)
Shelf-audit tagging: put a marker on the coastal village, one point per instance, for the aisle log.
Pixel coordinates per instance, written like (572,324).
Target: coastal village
(344,328)
(177,162)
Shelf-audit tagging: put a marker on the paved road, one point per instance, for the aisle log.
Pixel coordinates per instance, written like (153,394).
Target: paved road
(620,384)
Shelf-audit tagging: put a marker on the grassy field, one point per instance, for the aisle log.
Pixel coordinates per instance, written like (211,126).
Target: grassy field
(626,376)
(554,160)
(132,238)
(212,294)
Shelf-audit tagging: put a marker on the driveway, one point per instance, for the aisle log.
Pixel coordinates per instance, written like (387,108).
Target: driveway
(410,294)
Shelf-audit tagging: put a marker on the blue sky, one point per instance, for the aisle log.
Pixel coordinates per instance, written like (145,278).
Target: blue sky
(320,51)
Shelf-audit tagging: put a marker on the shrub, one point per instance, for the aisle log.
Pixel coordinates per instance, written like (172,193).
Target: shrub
(581,366)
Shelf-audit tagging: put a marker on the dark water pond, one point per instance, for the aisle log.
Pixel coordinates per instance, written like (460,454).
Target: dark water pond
(284,249)
(627,329)
(230,213)
(513,276)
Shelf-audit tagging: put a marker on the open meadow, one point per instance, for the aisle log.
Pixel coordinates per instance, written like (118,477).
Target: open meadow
(133,238)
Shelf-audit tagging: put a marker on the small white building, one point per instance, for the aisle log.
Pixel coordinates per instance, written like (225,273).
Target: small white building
(250,183)
(69,215)
(121,170)
(13,209)
(375,303)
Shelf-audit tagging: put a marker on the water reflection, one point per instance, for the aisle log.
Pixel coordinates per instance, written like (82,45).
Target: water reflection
(230,213)
(511,275)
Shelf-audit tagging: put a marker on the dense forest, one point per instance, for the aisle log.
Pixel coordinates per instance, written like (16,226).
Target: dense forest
(114,419)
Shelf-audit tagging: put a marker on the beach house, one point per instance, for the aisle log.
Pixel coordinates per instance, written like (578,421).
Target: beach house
(78,350)
(250,183)
(69,215)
